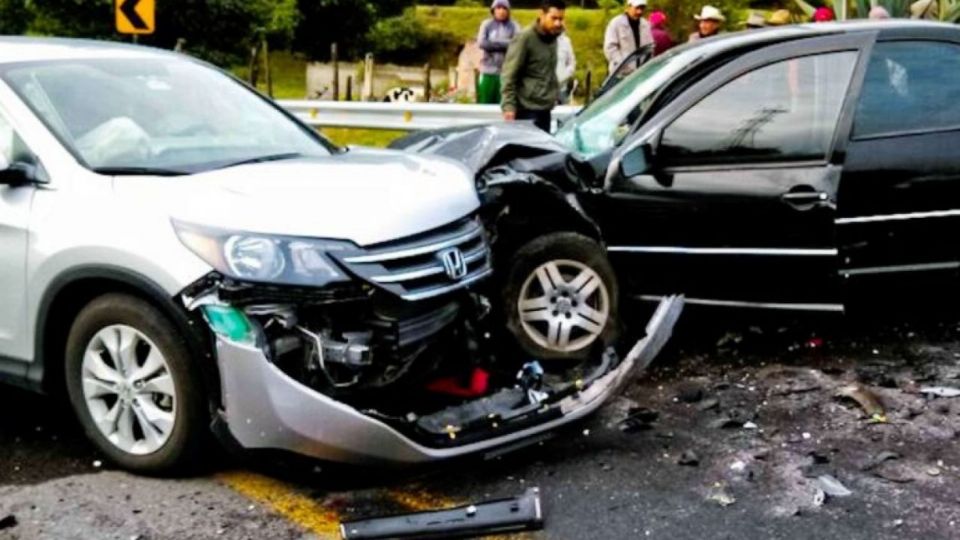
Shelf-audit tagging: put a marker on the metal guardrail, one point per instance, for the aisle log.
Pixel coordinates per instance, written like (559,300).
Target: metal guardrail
(399,116)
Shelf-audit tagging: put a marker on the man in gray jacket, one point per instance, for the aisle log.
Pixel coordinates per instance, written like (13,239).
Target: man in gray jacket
(625,34)
(494,38)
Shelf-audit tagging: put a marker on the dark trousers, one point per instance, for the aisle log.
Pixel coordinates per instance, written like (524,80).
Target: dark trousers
(541,119)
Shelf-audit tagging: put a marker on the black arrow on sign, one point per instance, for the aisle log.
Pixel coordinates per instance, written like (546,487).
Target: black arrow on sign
(129,10)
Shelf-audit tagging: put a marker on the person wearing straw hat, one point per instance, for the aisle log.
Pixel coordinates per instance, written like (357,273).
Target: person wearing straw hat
(708,23)
(626,33)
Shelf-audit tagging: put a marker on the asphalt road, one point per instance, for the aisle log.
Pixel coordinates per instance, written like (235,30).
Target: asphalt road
(751,408)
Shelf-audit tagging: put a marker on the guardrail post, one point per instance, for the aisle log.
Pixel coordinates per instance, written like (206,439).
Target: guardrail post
(336,71)
(181,43)
(426,83)
(367,78)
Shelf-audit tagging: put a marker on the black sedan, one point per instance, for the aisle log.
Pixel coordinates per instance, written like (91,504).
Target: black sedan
(775,169)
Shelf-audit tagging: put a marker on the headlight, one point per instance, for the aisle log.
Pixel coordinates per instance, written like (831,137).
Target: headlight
(265,258)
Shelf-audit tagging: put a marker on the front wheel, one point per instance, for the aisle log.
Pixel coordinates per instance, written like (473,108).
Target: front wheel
(561,297)
(133,386)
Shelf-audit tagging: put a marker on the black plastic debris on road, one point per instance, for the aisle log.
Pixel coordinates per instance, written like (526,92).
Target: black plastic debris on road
(8,522)
(516,514)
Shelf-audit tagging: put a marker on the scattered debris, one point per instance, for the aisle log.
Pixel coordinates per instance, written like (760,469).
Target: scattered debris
(832,487)
(750,425)
(722,498)
(806,436)
(708,404)
(639,419)
(867,400)
(690,394)
(933,471)
(97,464)
(689,459)
(725,422)
(516,514)
(940,391)
(738,466)
(819,458)
(8,521)
(894,474)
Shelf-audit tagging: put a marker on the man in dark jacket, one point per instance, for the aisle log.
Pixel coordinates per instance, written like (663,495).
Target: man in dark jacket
(529,77)
(494,38)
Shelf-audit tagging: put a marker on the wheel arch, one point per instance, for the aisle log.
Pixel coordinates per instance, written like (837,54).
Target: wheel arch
(71,291)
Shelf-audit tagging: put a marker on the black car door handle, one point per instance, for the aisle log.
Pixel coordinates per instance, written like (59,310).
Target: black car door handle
(802,198)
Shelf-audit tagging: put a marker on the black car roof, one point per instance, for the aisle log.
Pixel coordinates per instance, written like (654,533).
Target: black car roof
(774,34)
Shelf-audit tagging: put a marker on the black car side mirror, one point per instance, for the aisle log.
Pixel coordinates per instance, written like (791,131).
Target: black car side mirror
(637,161)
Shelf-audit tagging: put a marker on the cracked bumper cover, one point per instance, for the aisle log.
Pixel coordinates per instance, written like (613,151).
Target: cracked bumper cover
(265,408)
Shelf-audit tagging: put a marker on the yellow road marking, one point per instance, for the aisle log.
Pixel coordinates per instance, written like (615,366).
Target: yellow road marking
(285,500)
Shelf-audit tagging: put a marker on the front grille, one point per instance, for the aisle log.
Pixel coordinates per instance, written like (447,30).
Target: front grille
(413,268)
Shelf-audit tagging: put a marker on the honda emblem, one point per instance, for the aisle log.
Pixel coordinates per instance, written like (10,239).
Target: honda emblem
(453,263)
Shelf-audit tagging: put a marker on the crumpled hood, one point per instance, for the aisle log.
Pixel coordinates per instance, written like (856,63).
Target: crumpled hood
(480,148)
(365,196)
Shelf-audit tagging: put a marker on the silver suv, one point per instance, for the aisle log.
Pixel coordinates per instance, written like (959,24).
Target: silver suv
(180,256)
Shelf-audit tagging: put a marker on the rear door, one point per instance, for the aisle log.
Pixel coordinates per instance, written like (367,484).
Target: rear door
(740,207)
(899,203)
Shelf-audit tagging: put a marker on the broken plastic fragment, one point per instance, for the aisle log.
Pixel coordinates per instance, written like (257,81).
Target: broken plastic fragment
(941,391)
(230,323)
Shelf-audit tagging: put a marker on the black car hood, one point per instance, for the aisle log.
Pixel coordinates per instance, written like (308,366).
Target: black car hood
(480,148)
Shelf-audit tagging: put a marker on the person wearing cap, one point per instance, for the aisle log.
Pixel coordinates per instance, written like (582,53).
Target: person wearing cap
(494,38)
(878,13)
(755,21)
(708,23)
(530,87)
(662,41)
(780,17)
(823,14)
(625,34)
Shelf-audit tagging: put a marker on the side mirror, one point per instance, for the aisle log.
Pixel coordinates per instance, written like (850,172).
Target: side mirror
(637,161)
(16,174)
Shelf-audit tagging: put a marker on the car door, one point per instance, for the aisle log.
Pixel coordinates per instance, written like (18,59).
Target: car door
(15,202)
(899,201)
(737,203)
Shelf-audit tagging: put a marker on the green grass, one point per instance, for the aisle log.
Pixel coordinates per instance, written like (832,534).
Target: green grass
(584,26)
(362,137)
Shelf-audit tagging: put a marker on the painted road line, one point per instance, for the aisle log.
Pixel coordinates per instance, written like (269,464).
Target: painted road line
(285,500)
(294,505)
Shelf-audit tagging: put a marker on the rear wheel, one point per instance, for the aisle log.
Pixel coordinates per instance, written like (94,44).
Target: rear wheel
(133,386)
(561,297)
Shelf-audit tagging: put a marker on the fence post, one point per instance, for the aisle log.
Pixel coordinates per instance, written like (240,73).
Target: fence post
(266,64)
(254,66)
(589,86)
(426,83)
(367,94)
(181,43)
(350,88)
(334,58)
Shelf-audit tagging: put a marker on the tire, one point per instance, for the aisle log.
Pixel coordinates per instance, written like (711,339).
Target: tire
(537,317)
(157,426)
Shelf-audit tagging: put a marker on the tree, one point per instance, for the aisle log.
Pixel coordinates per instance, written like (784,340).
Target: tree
(14,16)
(345,22)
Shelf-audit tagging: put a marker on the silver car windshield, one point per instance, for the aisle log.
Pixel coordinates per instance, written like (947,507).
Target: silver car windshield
(157,114)
(608,120)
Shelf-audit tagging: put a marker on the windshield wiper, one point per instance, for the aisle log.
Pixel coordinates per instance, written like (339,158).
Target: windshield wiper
(263,159)
(139,171)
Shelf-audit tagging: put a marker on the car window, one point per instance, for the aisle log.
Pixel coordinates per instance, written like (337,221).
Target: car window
(910,86)
(784,111)
(12,147)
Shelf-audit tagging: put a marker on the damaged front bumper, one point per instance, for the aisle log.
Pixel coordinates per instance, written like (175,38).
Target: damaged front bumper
(264,408)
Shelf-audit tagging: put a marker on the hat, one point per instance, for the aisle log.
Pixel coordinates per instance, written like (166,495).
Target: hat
(879,12)
(924,9)
(780,17)
(658,18)
(710,13)
(637,3)
(755,20)
(823,14)
(500,3)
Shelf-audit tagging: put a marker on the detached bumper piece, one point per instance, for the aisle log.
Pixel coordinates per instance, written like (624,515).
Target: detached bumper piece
(517,514)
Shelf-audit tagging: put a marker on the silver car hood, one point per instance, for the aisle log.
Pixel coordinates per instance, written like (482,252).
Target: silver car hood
(364,196)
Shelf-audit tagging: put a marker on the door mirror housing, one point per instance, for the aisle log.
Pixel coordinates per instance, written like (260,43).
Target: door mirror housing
(638,160)
(17,174)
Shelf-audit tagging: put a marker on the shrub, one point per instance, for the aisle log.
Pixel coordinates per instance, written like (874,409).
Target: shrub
(405,40)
